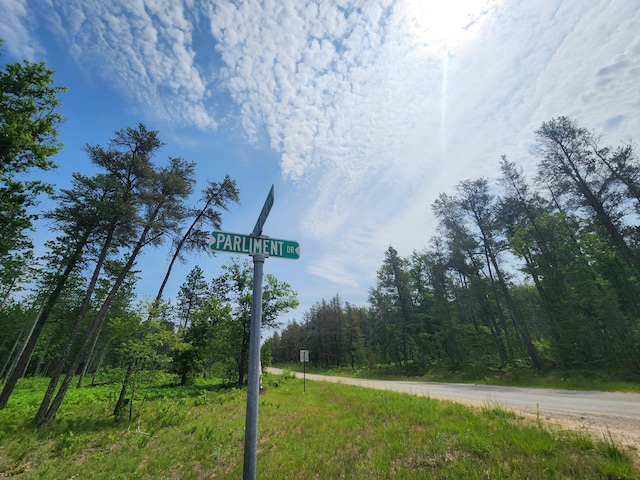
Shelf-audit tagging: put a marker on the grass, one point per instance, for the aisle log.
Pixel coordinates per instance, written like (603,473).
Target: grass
(331,431)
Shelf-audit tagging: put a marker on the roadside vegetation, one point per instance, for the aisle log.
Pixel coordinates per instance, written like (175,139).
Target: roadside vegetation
(331,431)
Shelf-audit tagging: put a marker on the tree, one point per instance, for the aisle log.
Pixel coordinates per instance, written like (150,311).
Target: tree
(191,297)
(148,349)
(69,260)
(474,213)
(157,207)
(205,340)
(28,140)
(585,322)
(480,205)
(355,342)
(215,197)
(325,324)
(573,166)
(393,300)
(286,347)
(445,338)
(235,288)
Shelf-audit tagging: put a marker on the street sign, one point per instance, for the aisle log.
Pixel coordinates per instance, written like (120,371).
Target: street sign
(304,356)
(266,208)
(269,247)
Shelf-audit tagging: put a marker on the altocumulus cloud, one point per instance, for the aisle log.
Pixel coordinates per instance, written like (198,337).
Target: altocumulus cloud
(374,107)
(15,26)
(145,49)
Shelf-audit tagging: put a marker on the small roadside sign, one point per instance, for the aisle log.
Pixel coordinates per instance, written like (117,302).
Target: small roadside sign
(304,358)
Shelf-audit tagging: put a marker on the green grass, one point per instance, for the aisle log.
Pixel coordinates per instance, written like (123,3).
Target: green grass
(331,431)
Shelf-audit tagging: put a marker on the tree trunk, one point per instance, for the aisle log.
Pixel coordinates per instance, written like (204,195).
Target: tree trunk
(94,330)
(123,390)
(36,371)
(64,356)
(29,345)
(10,356)
(100,360)
(515,318)
(87,363)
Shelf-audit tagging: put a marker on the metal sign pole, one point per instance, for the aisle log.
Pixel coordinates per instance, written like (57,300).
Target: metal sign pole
(253,381)
(260,248)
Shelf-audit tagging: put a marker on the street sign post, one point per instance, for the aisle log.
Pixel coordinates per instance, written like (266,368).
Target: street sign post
(269,247)
(249,466)
(259,247)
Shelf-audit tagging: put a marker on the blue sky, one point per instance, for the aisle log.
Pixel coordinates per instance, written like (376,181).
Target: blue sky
(359,112)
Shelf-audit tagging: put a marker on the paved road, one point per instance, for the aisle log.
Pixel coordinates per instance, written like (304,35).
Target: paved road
(618,412)
(530,400)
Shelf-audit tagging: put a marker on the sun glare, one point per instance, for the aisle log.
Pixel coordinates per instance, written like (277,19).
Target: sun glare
(444,23)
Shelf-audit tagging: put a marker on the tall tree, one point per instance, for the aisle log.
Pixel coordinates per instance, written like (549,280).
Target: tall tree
(160,206)
(393,298)
(235,287)
(28,139)
(105,206)
(354,337)
(70,256)
(325,324)
(215,197)
(474,292)
(573,169)
(480,205)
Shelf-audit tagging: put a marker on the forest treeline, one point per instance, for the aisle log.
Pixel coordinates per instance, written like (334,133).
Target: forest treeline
(73,310)
(542,272)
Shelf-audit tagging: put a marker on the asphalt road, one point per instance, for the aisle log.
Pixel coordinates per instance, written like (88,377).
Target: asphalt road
(606,411)
(531,400)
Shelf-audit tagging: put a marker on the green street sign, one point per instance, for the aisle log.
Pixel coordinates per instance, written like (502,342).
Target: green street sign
(264,213)
(238,243)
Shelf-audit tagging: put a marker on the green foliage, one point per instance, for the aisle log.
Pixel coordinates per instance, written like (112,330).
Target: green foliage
(186,361)
(544,274)
(28,120)
(28,140)
(234,288)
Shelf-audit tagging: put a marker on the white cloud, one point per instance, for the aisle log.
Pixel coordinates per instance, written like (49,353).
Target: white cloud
(373,121)
(15,26)
(355,111)
(145,48)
